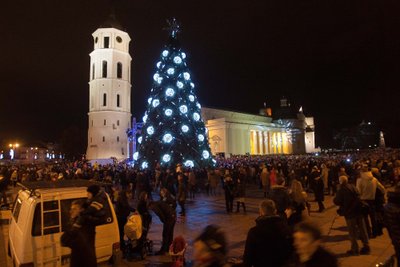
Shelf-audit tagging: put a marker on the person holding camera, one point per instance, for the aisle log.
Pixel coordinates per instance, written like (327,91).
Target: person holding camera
(350,206)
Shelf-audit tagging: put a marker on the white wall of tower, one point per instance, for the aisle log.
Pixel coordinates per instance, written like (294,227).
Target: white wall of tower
(109,95)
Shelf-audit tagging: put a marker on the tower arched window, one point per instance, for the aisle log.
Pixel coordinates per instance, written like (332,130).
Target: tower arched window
(117,138)
(93,72)
(104,73)
(106,42)
(104,100)
(105,122)
(118,100)
(104,139)
(117,122)
(119,70)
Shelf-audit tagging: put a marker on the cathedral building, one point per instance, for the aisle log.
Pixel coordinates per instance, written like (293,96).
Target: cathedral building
(109,93)
(237,133)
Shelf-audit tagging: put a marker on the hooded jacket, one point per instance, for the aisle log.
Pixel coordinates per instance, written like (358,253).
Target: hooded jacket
(367,185)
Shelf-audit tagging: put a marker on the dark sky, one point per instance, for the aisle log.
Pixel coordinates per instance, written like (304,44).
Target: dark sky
(339,59)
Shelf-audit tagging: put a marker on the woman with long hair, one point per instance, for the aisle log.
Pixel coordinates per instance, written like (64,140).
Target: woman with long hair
(299,205)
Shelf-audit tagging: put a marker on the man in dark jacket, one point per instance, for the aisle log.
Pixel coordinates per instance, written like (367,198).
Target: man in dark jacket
(348,200)
(167,216)
(80,239)
(280,196)
(269,242)
(317,186)
(392,219)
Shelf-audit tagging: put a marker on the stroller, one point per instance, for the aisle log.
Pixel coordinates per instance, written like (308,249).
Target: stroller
(136,241)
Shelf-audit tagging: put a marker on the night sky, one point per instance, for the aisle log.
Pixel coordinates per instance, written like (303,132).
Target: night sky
(339,59)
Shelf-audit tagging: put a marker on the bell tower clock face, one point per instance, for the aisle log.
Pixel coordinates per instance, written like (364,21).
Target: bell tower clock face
(119,39)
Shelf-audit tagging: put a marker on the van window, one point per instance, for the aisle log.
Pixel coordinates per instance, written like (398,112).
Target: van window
(17,209)
(51,217)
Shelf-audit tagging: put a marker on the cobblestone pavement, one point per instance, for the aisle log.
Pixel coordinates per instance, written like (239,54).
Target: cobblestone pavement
(206,210)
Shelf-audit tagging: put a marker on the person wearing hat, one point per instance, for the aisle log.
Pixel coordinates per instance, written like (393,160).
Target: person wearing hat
(94,212)
(392,219)
(210,248)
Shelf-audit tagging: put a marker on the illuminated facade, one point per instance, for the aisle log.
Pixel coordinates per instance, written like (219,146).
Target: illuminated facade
(109,93)
(241,133)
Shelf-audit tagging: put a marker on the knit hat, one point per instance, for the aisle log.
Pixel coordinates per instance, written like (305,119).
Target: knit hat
(94,189)
(214,238)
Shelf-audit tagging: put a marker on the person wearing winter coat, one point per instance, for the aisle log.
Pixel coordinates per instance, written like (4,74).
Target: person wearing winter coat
(367,185)
(269,242)
(122,210)
(181,196)
(229,188)
(392,219)
(80,239)
(240,194)
(265,182)
(317,186)
(280,196)
(348,200)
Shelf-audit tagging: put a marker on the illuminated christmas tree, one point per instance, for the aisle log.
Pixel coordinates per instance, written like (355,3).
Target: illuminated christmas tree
(173,131)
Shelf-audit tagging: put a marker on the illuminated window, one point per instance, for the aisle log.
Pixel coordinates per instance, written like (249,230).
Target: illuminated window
(104,74)
(118,101)
(104,100)
(106,42)
(119,70)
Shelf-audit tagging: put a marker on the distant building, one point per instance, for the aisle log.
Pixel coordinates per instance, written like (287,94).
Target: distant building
(109,93)
(284,132)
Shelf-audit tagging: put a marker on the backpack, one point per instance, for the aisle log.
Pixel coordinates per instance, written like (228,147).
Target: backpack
(133,227)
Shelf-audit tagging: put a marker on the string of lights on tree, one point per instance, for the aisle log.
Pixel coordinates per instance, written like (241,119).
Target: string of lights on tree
(173,131)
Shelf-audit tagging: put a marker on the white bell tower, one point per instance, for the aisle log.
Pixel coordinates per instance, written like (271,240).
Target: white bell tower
(109,93)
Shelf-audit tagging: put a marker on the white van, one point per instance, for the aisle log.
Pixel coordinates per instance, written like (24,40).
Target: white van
(34,236)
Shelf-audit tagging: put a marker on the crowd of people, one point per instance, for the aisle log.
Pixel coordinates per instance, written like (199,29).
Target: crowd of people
(358,180)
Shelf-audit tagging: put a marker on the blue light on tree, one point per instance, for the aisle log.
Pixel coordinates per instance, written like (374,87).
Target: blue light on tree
(179,84)
(167,138)
(200,137)
(186,76)
(189,163)
(174,132)
(171,71)
(145,118)
(140,139)
(135,155)
(169,92)
(166,158)
(177,60)
(185,128)
(150,130)
(168,112)
(183,109)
